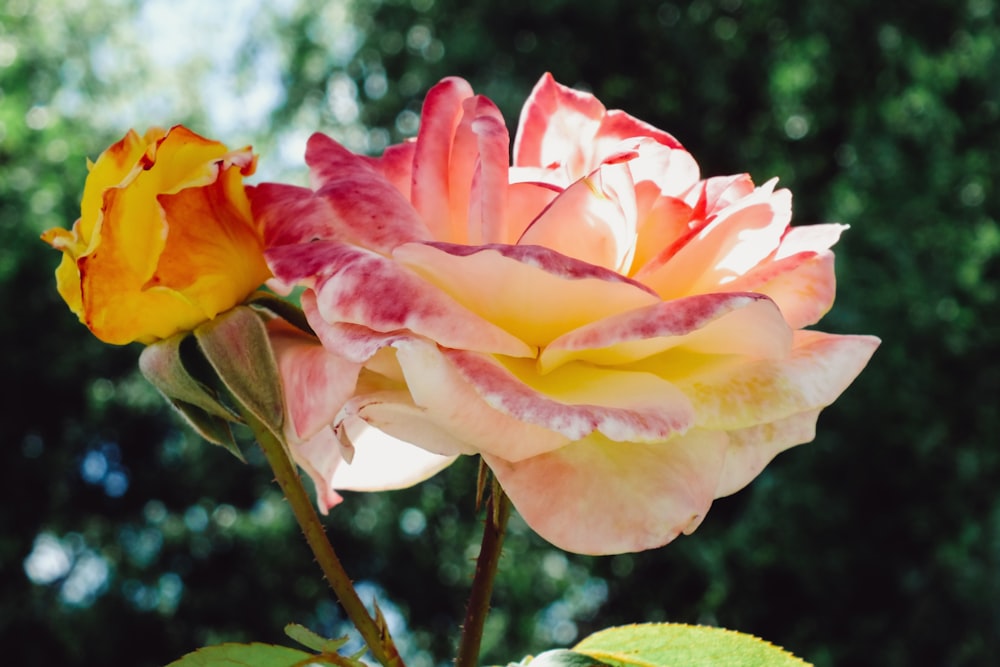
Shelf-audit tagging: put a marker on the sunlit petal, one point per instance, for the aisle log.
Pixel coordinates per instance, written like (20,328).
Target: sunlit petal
(599,497)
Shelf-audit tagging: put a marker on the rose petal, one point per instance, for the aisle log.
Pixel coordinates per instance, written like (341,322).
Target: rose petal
(396,164)
(525,202)
(751,449)
(445,400)
(394,413)
(488,209)
(382,462)
(803,285)
(556,127)
(593,220)
(672,170)
(364,205)
(809,238)
(532,292)
(432,161)
(356,286)
(601,497)
(319,457)
(722,323)
(316,383)
(731,395)
(741,236)
(576,399)
(562,127)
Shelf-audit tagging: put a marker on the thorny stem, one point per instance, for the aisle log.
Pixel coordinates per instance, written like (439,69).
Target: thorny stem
(374,633)
(497,513)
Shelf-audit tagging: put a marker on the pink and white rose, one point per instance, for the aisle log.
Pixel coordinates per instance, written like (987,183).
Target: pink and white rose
(620,339)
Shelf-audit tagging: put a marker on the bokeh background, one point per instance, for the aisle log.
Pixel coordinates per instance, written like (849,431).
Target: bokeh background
(124,540)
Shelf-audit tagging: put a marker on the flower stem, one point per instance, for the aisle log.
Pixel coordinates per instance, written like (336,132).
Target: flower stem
(373,631)
(497,514)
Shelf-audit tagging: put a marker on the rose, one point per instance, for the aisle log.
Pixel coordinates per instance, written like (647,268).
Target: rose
(165,239)
(619,339)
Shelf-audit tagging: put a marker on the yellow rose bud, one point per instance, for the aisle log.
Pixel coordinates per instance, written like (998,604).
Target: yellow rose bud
(165,238)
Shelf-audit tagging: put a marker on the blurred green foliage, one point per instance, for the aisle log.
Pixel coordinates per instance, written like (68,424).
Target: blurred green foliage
(126,541)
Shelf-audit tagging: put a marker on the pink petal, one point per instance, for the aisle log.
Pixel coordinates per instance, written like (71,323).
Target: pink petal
(396,164)
(525,202)
(368,208)
(618,125)
(432,160)
(534,293)
(562,127)
(355,286)
(803,286)
(289,214)
(737,395)
(593,220)
(751,449)
(672,170)
(737,239)
(716,193)
(725,323)
(809,238)
(556,127)
(662,229)
(575,400)
(601,497)
(488,209)
(319,457)
(316,383)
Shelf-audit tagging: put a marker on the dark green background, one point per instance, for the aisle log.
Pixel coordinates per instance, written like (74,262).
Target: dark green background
(878,544)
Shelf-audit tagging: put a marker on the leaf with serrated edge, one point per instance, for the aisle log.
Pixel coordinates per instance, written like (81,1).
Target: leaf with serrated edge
(237,346)
(313,640)
(561,657)
(674,644)
(248,655)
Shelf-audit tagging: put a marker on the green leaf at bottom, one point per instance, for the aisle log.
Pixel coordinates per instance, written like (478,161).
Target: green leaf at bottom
(247,655)
(677,645)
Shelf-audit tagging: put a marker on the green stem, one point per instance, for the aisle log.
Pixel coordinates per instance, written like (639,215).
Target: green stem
(497,514)
(374,634)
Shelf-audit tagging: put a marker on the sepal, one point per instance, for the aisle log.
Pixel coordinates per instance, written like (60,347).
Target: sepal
(179,371)
(280,308)
(238,348)
(221,370)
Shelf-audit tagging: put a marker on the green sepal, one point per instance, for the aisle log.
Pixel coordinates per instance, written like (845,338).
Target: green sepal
(179,371)
(313,640)
(669,644)
(249,655)
(214,429)
(171,365)
(281,308)
(238,348)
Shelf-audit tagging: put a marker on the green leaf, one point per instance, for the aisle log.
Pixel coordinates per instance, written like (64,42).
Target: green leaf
(313,640)
(677,645)
(248,655)
(561,657)
(237,346)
